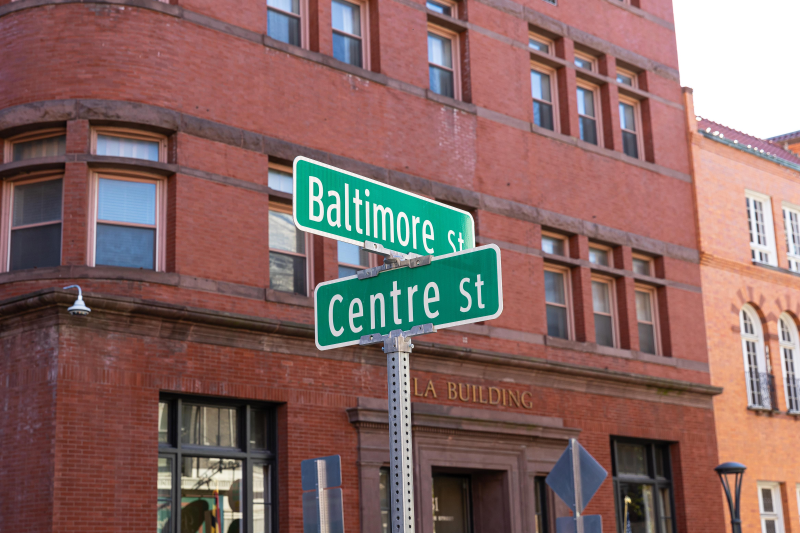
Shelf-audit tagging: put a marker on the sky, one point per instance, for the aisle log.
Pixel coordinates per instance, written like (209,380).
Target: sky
(742,58)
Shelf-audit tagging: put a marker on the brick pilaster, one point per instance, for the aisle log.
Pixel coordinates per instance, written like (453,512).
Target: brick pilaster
(76,214)
(78,135)
(583,313)
(567,89)
(609,101)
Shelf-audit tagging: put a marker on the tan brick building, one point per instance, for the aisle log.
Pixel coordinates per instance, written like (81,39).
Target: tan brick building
(748,197)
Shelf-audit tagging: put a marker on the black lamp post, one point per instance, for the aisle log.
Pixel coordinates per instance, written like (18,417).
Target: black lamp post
(725,471)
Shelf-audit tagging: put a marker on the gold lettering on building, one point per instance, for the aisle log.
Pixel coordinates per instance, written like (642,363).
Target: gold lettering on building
(429,389)
(470,393)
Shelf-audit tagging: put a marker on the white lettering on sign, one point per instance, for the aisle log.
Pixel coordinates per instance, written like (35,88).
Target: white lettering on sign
(376,221)
(357,314)
(466,295)
(427,300)
(411,291)
(336,332)
(478,285)
(372,300)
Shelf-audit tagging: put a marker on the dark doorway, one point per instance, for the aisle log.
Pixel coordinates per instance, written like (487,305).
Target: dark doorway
(452,510)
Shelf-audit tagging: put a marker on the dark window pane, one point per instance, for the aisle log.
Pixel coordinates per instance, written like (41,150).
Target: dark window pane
(631,459)
(125,246)
(209,426)
(49,147)
(347,49)
(641,509)
(641,266)
(164,491)
(552,245)
(287,273)
(630,144)
(588,130)
(258,429)
(540,86)
(383,487)
(451,510)
(554,292)
(557,322)
(262,499)
(647,338)
(36,247)
(543,115)
(542,518)
(665,509)
(604,333)
(214,485)
(38,202)
(441,81)
(283,27)
(163,422)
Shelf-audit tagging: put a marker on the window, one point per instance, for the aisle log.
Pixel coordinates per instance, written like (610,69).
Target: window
(642,486)
(552,244)
(541,44)
(769,504)
(543,92)
(755,363)
(217,465)
(647,320)
(557,298)
(283,21)
(129,219)
(119,142)
(630,122)
(588,113)
(31,226)
(281,180)
(443,8)
(791,222)
(585,61)
(386,511)
(643,266)
(759,220)
(599,256)
(626,77)
(442,62)
(541,506)
(603,305)
(789,351)
(451,504)
(352,258)
(287,252)
(348,30)
(47,143)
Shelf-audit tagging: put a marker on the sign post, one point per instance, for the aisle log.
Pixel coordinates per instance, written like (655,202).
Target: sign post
(432,278)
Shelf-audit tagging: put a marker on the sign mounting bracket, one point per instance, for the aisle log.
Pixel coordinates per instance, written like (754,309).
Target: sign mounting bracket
(392,260)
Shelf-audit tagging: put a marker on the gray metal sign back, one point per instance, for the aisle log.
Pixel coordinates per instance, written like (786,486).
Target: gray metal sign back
(322,505)
(575,479)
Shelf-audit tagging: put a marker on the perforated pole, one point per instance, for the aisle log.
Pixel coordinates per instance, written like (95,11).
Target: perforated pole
(398,351)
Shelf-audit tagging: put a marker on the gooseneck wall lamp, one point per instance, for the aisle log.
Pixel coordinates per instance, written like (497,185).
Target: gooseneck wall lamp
(78,308)
(731,474)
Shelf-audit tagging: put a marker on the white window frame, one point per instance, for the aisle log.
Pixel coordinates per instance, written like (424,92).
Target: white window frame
(556,236)
(598,118)
(160,262)
(303,16)
(628,74)
(128,133)
(586,57)
(650,265)
(637,118)
(8,145)
(777,514)
(756,337)
(653,292)
(7,210)
(791,384)
(792,232)
(550,71)
(364,38)
(567,297)
(543,40)
(759,250)
(612,293)
(455,51)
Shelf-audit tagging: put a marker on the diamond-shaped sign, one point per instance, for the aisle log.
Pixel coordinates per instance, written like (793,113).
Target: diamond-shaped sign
(576,474)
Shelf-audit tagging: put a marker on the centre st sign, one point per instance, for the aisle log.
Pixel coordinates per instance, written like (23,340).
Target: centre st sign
(341,205)
(457,288)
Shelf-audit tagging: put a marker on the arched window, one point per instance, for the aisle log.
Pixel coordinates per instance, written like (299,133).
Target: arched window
(789,351)
(755,362)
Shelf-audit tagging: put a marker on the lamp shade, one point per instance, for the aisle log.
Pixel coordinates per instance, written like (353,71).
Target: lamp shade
(730,468)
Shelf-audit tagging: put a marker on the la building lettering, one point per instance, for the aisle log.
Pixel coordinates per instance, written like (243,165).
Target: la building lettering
(471,393)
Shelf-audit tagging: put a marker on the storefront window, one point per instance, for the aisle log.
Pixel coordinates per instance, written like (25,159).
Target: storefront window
(210,478)
(451,504)
(542,524)
(386,517)
(643,488)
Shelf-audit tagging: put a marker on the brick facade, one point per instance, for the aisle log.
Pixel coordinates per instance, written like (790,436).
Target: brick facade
(80,394)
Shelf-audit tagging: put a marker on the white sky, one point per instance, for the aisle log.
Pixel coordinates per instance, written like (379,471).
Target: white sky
(742,58)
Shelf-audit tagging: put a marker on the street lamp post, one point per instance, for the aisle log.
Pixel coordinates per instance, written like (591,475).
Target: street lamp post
(736,470)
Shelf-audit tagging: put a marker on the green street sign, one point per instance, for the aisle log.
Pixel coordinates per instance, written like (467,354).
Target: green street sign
(457,288)
(341,205)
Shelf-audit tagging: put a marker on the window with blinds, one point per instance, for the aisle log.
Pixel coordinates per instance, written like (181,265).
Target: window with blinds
(42,146)
(35,240)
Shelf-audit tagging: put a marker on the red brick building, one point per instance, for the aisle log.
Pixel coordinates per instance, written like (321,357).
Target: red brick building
(145,152)
(748,193)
